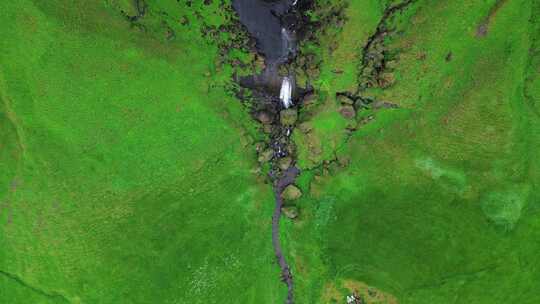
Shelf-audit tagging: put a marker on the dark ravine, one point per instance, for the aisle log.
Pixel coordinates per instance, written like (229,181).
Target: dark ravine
(374,59)
(275,24)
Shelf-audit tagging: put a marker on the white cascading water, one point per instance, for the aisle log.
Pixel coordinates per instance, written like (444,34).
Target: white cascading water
(285,94)
(285,42)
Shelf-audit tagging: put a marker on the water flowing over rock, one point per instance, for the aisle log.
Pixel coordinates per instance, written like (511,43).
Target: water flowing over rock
(285,94)
(273,24)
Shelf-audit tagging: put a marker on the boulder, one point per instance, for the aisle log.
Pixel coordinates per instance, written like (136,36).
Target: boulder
(267,129)
(260,146)
(347,111)
(313,72)
(368,71)
(288,117)
(310,99)
(264,117)
(284,163)
(266,155)
(291,193)
(386,80)
(344,100)
(290,212)
(343,159)
(391,64)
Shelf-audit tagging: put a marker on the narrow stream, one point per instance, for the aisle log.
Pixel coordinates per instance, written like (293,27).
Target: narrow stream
(274,25)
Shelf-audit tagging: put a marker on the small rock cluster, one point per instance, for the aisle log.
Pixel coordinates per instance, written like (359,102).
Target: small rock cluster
(279,151)
(376,71)
(290,194)
(377,62)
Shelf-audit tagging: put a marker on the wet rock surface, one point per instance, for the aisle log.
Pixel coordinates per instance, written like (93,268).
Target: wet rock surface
(275,26)
(291,193)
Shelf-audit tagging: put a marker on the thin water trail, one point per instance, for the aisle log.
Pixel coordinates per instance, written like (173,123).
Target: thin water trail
(273,24)
(279,185)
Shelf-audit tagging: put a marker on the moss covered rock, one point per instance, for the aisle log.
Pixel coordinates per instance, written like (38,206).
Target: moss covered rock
(290,211)
(288,117)
(291,193)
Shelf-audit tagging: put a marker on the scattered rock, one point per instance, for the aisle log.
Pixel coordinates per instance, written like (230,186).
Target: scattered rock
(366,120)
(291,193)
(313,73)
(267,129)
(384,105)
(264,117)
(386,80)
(305,127)
(344,100)
(391,64)
(291,148)
(368,71)
(343,160)
(284,163)
(310,99)
(266,155)
(347,111)
(290,212)
(288,117)
(260,146)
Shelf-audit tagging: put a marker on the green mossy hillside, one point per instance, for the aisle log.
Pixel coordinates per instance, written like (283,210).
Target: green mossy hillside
(438,202)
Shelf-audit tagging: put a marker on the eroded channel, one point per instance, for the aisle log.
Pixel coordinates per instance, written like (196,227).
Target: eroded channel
(275,25)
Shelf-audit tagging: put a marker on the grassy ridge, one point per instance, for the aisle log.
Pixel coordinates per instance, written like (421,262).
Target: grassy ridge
(439,202)
(339,61)
(125,177)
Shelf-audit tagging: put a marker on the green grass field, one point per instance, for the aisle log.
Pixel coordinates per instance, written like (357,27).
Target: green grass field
(128,172)
(125,165)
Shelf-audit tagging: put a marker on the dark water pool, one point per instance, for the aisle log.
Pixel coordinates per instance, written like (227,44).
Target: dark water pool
(271,23)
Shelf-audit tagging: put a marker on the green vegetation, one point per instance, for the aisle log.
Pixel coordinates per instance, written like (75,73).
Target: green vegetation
(128,172)
(439,200)
(125,166)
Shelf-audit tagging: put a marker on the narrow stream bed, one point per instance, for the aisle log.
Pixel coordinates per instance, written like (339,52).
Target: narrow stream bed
(274,25)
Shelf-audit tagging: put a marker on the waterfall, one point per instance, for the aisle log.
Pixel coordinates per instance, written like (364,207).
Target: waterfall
(285,42)
(285,94)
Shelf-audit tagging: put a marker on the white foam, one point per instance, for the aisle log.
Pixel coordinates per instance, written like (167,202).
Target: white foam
(285,94)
